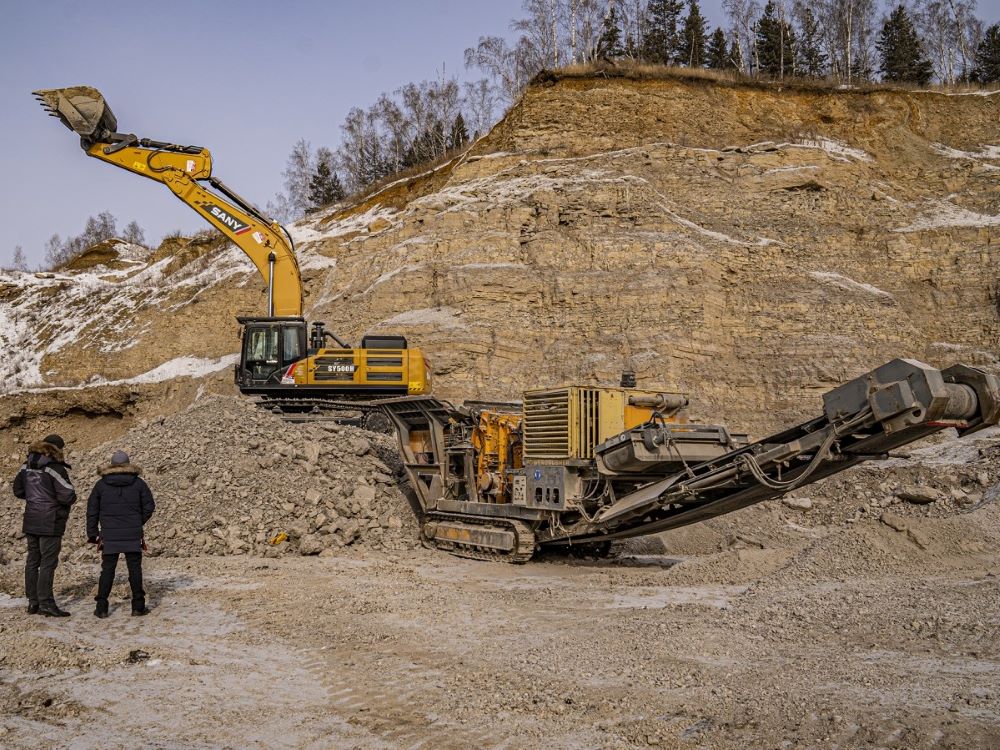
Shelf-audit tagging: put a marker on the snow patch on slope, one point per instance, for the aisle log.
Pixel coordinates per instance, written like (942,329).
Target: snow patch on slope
(438,317)
(834,148)
(182,367)
(985,152)
(944,214)
(845,282)
(92,308)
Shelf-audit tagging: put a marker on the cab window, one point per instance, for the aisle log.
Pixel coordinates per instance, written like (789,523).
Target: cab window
(262,346)
(291,345)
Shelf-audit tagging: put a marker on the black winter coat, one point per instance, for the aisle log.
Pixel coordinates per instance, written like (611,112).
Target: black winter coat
(119,505)
(44,485)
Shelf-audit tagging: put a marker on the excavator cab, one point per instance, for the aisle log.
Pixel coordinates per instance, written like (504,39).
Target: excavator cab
(270,347)
(281,359)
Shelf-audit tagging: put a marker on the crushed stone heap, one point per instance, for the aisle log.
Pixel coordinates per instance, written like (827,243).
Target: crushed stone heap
(229,478)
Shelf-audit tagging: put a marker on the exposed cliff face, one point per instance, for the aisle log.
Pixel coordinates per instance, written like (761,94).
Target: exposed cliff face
(748,245)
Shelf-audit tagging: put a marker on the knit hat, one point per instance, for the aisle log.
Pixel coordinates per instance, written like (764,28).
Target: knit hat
(119,458)
(55,440)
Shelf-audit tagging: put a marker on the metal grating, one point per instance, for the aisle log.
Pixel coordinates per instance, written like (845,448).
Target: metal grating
(562,423)
(588,422)
(546,424)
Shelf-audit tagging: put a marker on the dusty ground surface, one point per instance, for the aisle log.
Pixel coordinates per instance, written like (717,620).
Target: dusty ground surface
(834,636)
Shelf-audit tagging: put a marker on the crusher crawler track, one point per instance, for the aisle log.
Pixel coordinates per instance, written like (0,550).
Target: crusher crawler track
(497,539)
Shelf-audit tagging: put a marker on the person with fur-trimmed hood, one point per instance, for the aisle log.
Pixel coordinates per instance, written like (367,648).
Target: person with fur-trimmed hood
(43,483)
(118,507)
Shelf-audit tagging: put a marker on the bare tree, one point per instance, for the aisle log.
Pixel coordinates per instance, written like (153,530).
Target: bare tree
(510,67)
(743,16)
(53,251)
(951,31)
(479,102)
(865,34)
(584,19)
(398,130)
(540,31)
(100,228)
(18,262)
(133,234)
(298,172)
(849,34)
(445,98)
(361,156)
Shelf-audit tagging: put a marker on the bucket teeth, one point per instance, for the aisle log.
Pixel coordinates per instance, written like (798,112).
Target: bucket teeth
(82,109)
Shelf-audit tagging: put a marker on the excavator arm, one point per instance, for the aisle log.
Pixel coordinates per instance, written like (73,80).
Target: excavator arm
(186,170)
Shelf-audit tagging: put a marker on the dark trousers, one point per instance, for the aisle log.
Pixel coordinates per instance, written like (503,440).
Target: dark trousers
(108,564)
(40,567)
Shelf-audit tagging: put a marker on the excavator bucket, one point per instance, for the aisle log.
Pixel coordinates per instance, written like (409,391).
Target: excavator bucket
(82,109)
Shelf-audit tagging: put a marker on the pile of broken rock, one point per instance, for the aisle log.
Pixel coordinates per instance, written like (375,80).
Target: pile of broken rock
(230,478)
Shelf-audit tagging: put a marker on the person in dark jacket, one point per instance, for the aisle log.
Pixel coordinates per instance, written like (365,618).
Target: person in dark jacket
(43,483)
(119,506)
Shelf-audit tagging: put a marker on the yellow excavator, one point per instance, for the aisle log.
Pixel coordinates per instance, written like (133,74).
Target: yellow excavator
(281,361)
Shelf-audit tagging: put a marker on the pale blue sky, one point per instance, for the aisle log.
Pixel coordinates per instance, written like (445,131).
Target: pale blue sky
(244,79)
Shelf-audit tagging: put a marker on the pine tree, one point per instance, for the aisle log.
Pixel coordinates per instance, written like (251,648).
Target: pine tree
(325,186)
(459,134)
(693,36)
(809,48)
(609,46)
(775,43)
(716,55)
(988,56)
(901,53)
(662,42)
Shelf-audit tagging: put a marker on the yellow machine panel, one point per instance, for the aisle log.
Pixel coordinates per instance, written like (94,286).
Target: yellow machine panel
(402,370)
(566,423)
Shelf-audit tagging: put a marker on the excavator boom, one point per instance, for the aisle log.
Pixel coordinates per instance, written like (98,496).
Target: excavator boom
(187,171)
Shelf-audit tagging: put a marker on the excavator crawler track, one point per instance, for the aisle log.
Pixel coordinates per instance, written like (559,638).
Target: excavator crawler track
(493,539)
(365,414)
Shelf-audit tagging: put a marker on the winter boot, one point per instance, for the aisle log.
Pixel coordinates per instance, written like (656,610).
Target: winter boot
(52,610)
(101,610)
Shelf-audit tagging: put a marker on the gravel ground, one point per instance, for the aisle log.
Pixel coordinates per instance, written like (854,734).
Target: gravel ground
(418,649)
